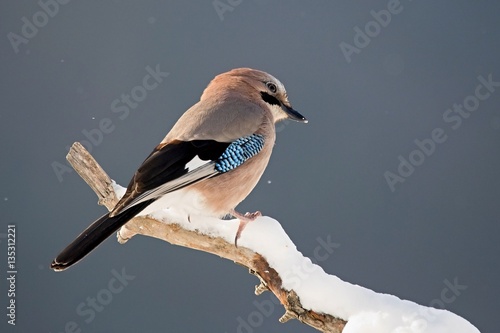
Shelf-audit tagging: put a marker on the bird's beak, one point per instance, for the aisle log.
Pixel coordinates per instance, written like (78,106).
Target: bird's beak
(293,115)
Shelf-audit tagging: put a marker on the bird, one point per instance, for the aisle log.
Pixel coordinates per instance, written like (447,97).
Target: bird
(208,163)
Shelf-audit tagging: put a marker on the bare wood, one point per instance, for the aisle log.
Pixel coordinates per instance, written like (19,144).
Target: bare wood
(85,165)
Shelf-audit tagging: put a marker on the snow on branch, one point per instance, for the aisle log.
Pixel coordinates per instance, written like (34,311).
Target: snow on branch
(315,298)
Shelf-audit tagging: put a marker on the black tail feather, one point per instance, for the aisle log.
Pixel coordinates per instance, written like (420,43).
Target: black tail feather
(94,235)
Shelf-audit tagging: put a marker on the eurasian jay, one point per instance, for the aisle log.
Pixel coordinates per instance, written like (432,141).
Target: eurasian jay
(207,164)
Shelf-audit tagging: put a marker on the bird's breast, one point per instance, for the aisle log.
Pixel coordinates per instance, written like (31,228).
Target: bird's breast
(225,191)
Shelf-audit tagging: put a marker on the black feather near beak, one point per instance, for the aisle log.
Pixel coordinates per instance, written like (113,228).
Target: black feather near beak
(290,112)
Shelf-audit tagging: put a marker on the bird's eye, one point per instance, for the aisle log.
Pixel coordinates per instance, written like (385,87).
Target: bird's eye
(272,87)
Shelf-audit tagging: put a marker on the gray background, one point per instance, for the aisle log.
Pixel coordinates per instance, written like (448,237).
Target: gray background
(325,179)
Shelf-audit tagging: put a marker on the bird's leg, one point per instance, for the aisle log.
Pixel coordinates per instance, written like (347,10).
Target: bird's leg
(244,219)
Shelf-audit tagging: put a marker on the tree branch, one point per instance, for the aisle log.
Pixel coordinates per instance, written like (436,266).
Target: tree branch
(85,165)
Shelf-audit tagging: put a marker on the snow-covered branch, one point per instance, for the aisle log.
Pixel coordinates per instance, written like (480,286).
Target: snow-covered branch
(315,298)
(166,227)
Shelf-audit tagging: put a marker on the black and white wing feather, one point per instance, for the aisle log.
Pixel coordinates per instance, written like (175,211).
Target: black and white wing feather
(173,166)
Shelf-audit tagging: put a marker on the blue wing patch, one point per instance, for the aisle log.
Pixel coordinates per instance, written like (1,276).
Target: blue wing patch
(238,152)
(172,167)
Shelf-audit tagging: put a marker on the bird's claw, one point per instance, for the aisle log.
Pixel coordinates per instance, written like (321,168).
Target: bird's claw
(244,220)
(252,216)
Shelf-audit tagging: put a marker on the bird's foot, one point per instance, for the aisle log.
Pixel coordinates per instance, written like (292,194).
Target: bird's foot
(244,220)
(252,216)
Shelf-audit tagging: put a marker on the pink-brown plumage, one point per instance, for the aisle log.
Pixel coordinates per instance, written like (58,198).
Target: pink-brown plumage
(181,173)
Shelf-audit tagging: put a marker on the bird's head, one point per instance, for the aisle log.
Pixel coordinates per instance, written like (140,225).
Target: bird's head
(267,88)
